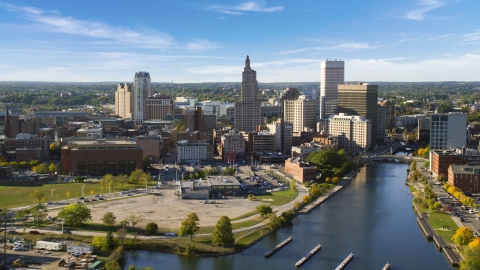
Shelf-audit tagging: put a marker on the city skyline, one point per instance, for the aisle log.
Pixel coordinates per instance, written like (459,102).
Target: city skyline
(184,42)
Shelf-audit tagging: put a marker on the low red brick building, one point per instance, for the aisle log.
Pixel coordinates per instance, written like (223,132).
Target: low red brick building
(301,171)
(464,177)
(101,157)
(440,160)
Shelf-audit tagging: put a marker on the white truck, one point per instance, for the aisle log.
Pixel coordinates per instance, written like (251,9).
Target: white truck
(79,249)
(48,245)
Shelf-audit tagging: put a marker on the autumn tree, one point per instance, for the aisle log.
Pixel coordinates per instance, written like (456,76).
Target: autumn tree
(474,244)
(42,168)
(463,236)
(52,167)
(135,219)
(307,199)
(189,226)
(264,210)
(122,179)
(471,259)
(38,194)
(223,233)
(39,213)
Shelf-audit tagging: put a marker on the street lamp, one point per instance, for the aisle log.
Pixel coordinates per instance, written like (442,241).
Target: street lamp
(51,193)
(110,187)
(145,183)
(82,190)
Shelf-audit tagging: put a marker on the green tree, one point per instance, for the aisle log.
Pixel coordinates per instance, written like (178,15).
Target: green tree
(99,242)
(109,241)
(35,162)
(471,259)
(442,178)
(264,210)
(22,214)
(122,179)
(189,226)
(307,199)
(147,163)
(39,213)
(42,168)
(292,184)
(109,219)
(222,234)
(121,235)
(112,265)
(275,222)
(75,214)
(138,176)
(151,228)
(14,165)
(37,194)
(59,168)
(106,179)
(426,164)
(229,171)
(413,165)
(463,236)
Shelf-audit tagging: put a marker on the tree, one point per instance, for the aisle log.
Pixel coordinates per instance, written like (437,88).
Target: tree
(147,163)
(14,165)
(275,222)
(442,178)
(474,244)
(222,234)
(23,214)
(307,199)
(138,176)
(471,259)
(463,236)
(42,168)
(106,179)
(99,243)
(122,179)
(264,210)
(229,171)
(109,219)
(109,241)
(135,219)
(335,180)
(426,164)
(52,167)
(123,223)
(121,235)
(189,226)
(35,162)
(75,214)
(59,168)
(37,194)
(39,213)
(151,228)
(413,165)
(292,184)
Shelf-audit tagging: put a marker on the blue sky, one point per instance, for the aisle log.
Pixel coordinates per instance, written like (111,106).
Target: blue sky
(200,41)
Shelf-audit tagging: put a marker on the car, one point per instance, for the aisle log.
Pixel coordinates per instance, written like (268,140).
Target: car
(34,232)
(123,192)
(12,232)
(17,248)
(96,195)
(66,232)
(129,194)
(79,202)
(81,198)
(93,200)
(101,199)
(49,203)
(471,211)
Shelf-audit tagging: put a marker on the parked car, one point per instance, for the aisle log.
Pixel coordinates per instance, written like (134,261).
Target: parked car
(34,232)
(67,232)
(81,198)
(17,248)
(101,199)
(12,232)
(96,195)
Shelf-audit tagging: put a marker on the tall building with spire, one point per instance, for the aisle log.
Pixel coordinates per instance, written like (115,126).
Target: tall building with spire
(248,110)
(332,73)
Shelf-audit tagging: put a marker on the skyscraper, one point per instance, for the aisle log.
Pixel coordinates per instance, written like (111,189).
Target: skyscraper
(142,89)
(448,131)
(360,99)
(301,113)
(247,110)
(332,73)
(123,100)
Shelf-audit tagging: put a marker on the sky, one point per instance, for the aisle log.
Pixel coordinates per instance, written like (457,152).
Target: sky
(208,41)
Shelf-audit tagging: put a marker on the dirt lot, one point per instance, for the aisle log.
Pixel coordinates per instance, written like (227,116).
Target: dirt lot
(167,210)
(49,261)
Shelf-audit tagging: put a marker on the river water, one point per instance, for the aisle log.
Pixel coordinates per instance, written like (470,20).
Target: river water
(372,217)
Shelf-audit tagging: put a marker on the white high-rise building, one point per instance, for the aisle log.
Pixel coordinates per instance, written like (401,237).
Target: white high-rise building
(448,131)
(301,113)
(332,73)
(353,132)
(248,113)
(142,89)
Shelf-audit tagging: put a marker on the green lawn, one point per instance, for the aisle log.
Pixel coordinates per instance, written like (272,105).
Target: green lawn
(14,196)
(438,220)
(249,238)
(235,226)
(278,198)
(249,214)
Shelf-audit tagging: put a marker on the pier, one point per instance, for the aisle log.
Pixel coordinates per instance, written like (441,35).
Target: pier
(310,254)
(386,267)
(345,262)
(278,247)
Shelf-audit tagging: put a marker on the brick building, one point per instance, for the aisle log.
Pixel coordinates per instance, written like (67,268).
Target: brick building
(101,157)
(440,160)
(158,107)
(464,177)
(301,171)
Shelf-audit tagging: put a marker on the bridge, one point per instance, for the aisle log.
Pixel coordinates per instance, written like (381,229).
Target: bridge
(393,158)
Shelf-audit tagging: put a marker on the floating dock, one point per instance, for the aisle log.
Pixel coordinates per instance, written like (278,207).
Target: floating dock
(386,267)
(310,254)
(278,247)
(345,262)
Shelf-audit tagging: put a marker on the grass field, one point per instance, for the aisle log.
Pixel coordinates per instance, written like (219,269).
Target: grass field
(249,238)
(438,220)
(15,196)
(278,198)
(249,214)
(235,226)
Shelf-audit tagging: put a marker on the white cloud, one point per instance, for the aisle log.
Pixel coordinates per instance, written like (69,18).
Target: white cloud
(201,45)
(54,22)
(350,46)
(472,38)
(427,5)
(246,6)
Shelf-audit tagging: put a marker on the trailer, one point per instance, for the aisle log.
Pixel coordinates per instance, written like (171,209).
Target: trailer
(79,249)
(48,245)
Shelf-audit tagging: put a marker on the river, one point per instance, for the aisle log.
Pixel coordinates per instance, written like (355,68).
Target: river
(372,217)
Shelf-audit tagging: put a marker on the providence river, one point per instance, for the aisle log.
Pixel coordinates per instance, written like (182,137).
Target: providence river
(372,217)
